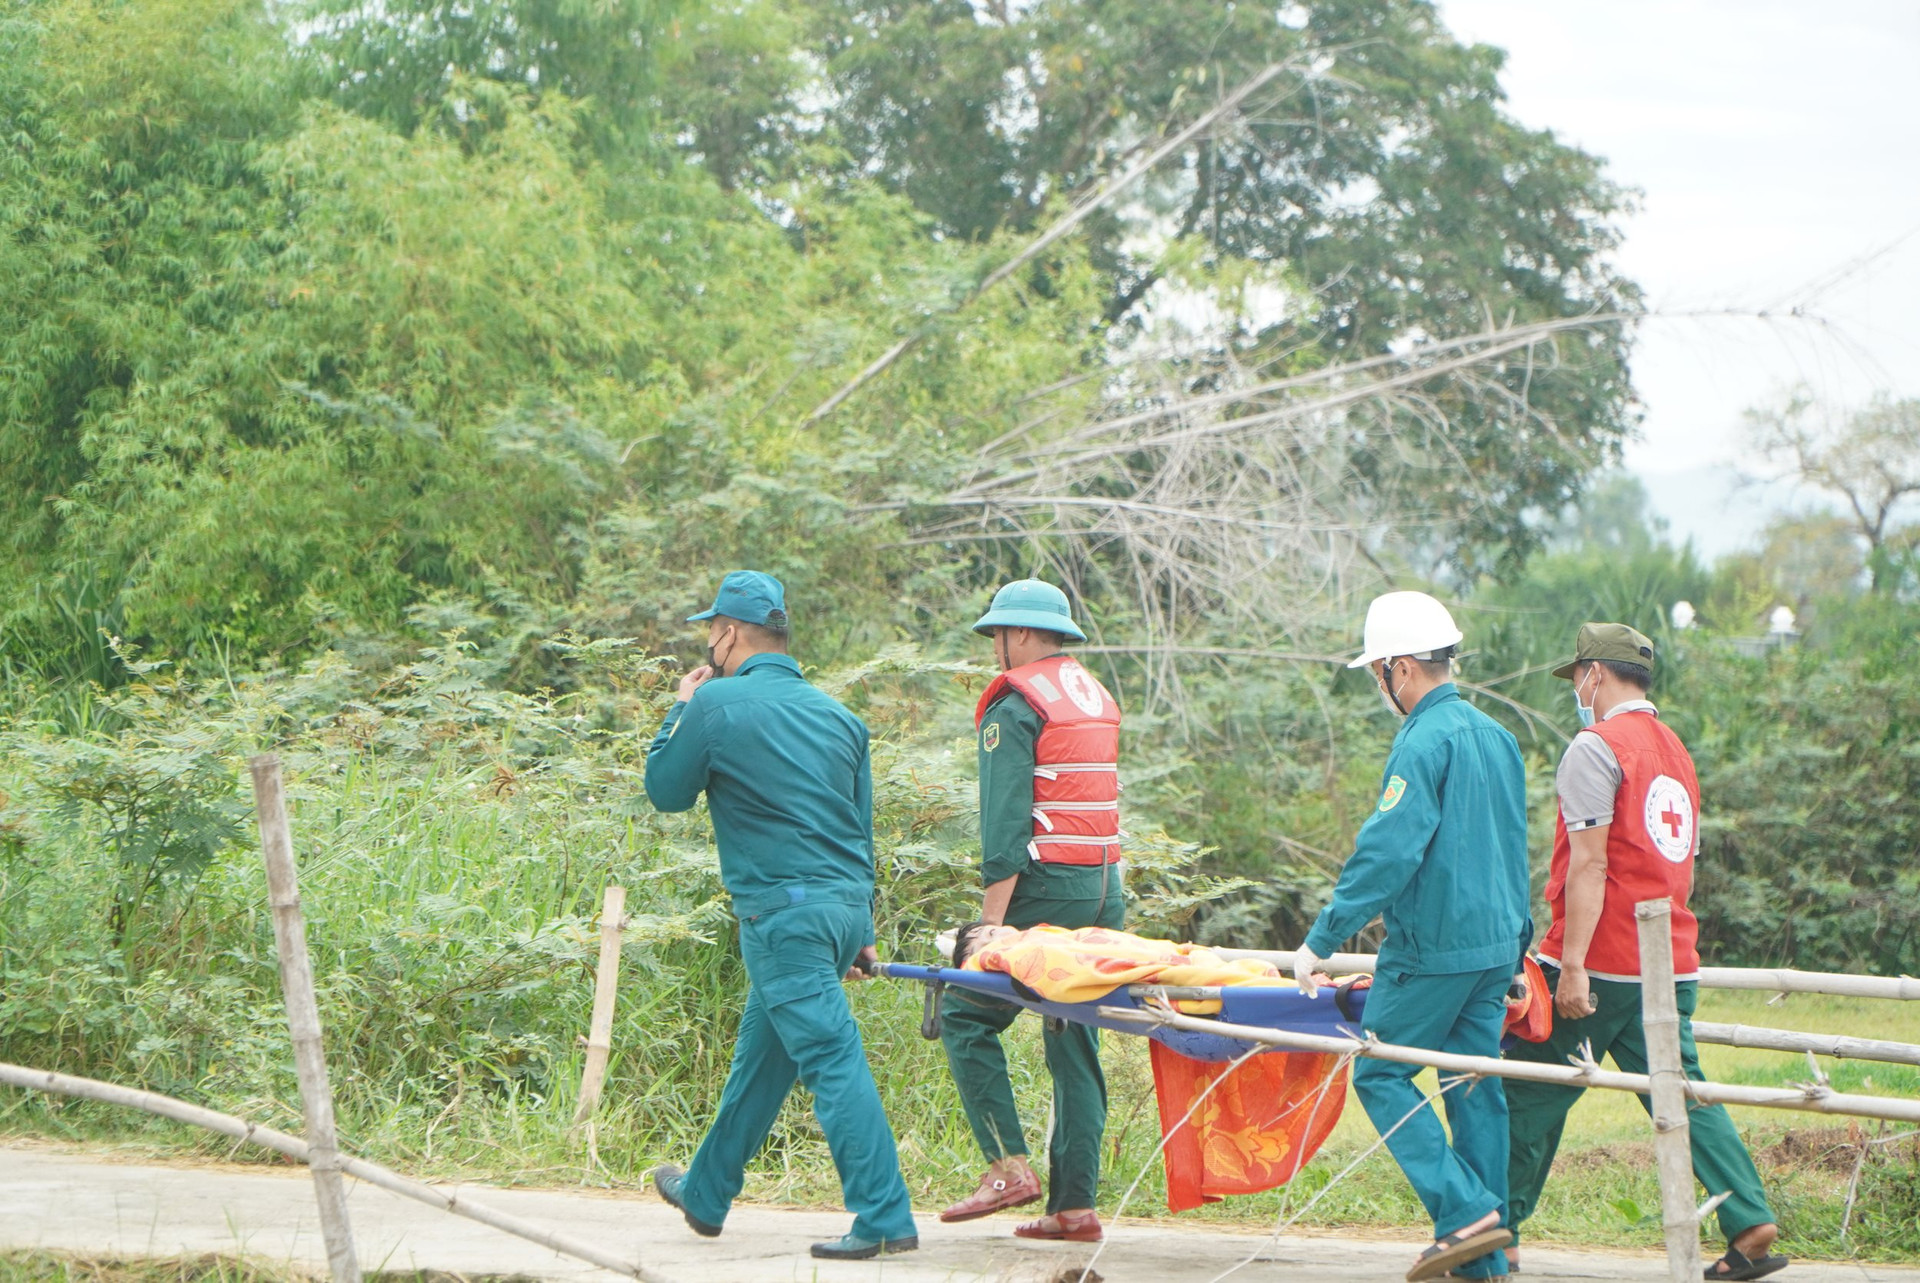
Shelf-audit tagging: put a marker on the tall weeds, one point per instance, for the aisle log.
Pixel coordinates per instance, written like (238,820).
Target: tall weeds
(454,838)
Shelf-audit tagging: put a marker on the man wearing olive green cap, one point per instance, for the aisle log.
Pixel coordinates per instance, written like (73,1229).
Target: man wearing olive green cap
(1050,853)
(1628,830)
(789,789)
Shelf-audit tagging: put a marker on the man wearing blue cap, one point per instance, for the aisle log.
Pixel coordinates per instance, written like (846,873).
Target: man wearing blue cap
(1050,853)
(790,791)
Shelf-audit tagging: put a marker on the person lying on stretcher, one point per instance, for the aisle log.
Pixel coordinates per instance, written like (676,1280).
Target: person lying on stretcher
(1087,964)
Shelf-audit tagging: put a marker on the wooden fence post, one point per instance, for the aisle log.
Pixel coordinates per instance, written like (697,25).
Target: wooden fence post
(303,1017)
(1660,1017)
(606,979)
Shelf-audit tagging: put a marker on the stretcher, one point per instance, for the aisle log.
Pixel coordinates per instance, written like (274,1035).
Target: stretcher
(1331,1013)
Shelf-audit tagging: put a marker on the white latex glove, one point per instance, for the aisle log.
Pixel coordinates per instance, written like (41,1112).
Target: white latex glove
(1304,965)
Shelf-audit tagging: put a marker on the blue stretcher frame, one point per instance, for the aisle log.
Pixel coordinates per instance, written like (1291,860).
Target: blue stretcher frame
(1273,1006)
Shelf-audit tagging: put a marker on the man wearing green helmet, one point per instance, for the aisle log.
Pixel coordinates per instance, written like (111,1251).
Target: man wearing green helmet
(1050,853)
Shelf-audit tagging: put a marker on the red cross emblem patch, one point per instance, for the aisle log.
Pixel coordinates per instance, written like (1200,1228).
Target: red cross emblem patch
(1670,818)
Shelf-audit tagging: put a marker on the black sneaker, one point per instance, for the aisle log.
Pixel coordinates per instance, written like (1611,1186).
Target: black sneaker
(851,1247)
(667,1180)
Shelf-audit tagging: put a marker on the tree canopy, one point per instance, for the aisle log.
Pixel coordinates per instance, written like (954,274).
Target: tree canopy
(320,311)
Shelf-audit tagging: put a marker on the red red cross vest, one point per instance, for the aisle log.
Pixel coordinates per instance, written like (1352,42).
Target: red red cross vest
(1649,850)
(1076,771)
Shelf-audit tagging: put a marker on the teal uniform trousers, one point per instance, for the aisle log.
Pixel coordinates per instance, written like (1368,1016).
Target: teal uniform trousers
(798,1026)
(1460,1013)
(789,785)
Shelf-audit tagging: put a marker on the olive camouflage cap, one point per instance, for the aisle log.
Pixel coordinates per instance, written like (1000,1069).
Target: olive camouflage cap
(1615,643)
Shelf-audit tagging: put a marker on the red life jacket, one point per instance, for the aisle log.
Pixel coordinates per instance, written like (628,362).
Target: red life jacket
(1649,850)
(1076,770)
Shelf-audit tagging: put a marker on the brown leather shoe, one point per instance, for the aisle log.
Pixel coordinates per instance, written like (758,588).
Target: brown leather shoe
(1063,1227)
(995,1194)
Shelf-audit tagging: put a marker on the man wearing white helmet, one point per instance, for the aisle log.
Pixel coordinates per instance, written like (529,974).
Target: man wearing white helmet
(1442,860)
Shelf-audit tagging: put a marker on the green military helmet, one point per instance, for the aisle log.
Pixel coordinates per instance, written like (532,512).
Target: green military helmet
(1030,603)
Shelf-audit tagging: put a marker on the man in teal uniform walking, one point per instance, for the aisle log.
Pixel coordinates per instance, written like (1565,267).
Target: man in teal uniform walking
(1050,852)
(790,791)
(1443,860)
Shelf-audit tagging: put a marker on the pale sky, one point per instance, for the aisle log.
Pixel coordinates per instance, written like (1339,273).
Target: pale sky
(1775,145)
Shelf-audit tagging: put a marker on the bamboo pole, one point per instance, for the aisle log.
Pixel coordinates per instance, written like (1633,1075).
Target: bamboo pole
(1340,964)
(1760,979)
(293,1147)
(606,979)
(1666,1071)
(1895,1053)
(1812,1098)
(303,1017)
(1835,1045)
(1787,980)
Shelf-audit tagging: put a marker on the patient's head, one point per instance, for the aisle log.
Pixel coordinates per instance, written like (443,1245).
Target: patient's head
(968,939)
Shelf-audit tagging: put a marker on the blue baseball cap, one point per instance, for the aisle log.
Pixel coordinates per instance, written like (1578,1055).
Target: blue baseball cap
(1030,603)
(749,596)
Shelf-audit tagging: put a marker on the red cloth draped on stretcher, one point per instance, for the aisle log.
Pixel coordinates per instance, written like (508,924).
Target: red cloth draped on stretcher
(1256,1128)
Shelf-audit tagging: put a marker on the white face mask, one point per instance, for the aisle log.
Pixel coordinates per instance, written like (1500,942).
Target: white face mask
(1388,695)
(1585,711)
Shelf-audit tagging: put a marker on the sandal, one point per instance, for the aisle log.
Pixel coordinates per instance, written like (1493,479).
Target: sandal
(1457,1248)
(995,1194)
(1068,1227)
(1740,1266)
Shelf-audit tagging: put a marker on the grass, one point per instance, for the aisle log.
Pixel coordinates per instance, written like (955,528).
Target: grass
(68,1267)
(62,1267)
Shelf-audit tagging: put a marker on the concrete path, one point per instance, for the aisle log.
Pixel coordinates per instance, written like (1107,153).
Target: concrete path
(86,1202)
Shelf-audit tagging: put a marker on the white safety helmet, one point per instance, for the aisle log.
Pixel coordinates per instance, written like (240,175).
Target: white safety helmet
(1406,623)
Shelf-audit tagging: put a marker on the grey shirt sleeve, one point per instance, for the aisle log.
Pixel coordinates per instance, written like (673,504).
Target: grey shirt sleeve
(1588,781)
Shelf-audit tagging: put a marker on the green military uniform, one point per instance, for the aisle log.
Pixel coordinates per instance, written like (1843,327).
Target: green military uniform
(1539,1110)
(971,1024)
(1443,861)
(789,787)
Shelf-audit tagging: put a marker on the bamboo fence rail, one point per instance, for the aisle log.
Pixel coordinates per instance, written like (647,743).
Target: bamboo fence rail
(42,1080)
(1759,979)
(1754,1036)
(1835,1045)
(1812,1098)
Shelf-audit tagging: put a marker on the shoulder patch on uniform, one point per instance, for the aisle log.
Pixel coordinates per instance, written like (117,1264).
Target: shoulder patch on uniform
(990,737)
(1395,790)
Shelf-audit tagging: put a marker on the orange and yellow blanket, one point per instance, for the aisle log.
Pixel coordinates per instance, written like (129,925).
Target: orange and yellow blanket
(1088,964)
(1258,1125)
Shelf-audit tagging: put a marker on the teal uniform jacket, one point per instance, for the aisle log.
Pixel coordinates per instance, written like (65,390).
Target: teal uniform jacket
(1443,857)
(1443,860)
(790,788)
(788,782)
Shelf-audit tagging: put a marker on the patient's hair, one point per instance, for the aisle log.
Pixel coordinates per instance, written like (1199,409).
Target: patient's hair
(964,940)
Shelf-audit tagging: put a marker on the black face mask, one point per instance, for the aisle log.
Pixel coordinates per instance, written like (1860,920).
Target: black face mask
(713,656)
